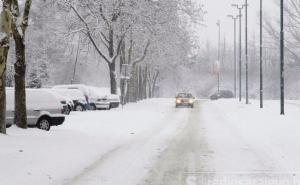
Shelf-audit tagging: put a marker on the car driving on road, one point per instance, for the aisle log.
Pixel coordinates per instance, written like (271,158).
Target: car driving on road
(185,100)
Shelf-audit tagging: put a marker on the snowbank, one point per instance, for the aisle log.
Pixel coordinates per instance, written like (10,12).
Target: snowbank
(85,141)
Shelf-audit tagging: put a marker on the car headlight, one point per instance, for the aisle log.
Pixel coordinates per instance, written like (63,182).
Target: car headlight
(191,101)
(178,101)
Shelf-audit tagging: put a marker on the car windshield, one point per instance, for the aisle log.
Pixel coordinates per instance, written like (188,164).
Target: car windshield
(184,95)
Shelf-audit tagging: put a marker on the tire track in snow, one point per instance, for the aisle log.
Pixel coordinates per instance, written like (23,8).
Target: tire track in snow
(186,155)
(119,165)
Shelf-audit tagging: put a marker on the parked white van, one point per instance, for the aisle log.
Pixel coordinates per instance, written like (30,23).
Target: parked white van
(44,109)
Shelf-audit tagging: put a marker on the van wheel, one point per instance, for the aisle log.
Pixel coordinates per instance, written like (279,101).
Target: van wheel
(93,107)
(44,124)
(79,108)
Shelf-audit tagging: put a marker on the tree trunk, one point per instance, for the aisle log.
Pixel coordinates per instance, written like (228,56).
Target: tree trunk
(140,83)
(20,93)
(154,83)
(132,85)
(123,81)
(3,59)
(145,83)
(112,65)
(113,78)
(5,29)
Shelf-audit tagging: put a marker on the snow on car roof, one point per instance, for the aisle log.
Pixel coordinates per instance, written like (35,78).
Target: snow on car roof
(74,94)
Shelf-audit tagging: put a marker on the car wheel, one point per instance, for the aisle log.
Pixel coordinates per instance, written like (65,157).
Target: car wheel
(79,108)
(44,124)
(93,107)
(8,126)
(68,111)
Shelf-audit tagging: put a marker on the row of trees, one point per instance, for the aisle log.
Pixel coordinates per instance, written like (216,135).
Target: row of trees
(141,37)
(89,41)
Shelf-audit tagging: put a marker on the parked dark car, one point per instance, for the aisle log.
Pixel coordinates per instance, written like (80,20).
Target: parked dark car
(226,94)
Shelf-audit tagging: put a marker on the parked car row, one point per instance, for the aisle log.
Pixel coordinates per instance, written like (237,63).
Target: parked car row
(47,107)
(95,97)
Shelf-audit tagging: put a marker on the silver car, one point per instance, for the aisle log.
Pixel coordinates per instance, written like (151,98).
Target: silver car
(43,109)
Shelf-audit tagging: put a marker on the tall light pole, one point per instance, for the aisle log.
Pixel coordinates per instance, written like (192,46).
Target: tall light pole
(240,48)
(281,58)
(219,53)
(246,50)
(261,87)
(234,40)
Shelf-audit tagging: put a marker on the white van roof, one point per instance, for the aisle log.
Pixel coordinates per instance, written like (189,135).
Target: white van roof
(35,99)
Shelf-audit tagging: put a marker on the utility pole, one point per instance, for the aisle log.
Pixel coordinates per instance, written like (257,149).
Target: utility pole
(246,51)
(240,48)
(281,58)
(235,60)
(261,88)
(219,52)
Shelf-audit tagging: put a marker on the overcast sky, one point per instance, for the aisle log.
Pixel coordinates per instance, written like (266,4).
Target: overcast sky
(219,9)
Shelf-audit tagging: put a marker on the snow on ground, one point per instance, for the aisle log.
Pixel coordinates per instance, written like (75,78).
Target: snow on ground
(246,139)
(131,145)
(85,140)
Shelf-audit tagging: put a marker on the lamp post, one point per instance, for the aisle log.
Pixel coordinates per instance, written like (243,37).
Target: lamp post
(246,50)
(240,48)
(261,90)
(281,58)
(219,46)
(234,40)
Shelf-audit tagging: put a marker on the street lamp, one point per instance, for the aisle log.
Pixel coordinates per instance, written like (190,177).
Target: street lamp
(281,58)
(219,46)
(234,40)
(261,91)
(246,50)
(240,7)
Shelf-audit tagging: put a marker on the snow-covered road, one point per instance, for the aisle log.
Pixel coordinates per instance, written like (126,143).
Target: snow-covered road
(152,143)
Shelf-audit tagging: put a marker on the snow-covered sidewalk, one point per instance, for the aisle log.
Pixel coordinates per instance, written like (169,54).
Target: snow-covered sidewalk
(253,142)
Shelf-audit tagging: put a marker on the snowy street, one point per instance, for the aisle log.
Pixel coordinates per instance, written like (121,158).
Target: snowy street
(153,143)
(150,92)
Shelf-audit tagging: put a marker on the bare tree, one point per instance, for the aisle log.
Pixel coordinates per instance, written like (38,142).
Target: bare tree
(19,31)
(5,29)
(108,40)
